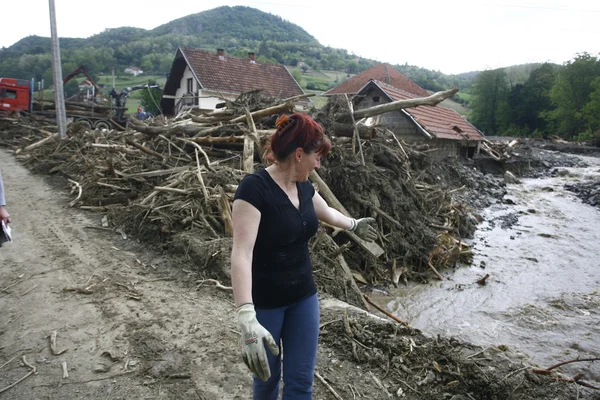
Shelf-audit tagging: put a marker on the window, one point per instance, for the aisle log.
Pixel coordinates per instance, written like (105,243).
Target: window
(9,94)
(190,85)
(375,99)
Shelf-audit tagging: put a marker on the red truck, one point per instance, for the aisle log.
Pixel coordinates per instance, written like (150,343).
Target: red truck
(15,95)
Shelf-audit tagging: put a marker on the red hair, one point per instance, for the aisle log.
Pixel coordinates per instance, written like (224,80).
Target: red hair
(296,130)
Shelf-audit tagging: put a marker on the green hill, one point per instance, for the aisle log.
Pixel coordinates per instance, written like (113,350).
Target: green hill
(238,30)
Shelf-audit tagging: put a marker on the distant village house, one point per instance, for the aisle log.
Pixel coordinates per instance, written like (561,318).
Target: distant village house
(135,71)
(441,127)
(203,79)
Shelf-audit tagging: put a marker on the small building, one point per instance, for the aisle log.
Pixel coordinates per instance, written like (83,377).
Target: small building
(135,71)
(442,128)
(203,79)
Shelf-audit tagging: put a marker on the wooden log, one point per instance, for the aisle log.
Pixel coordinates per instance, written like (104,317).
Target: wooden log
(328,195)
(248,154)
(287,107)
(347,130)
(389,314)
(355,136)
(186,130)
(432,100)
(209,140)
(150,174)
(39,143)
(115,147)
(347,273)
(144,149)
(225,211)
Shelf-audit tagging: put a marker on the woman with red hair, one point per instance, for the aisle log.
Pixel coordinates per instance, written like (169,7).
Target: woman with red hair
(275,212)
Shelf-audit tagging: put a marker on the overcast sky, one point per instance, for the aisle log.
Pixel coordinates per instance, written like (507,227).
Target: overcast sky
(448,36)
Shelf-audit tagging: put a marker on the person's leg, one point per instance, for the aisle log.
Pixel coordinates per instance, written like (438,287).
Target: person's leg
(272,320)
(300,336)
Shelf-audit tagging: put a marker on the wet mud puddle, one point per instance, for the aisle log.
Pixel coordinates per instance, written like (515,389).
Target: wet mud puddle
(543,294)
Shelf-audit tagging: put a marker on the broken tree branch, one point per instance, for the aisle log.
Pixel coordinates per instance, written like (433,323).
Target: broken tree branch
(53,344)
(432,100)
(547,370)
(39,143)
(328,195)
(328,386)
(144,149)
(32,371)
(389,314)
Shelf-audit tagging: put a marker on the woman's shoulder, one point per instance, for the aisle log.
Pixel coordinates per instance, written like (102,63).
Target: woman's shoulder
(307,187)
(257,177)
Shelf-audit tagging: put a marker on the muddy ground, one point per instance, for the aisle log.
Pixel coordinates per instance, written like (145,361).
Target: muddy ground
(132,322)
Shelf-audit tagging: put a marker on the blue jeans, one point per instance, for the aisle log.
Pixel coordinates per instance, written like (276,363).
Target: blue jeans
(296,329)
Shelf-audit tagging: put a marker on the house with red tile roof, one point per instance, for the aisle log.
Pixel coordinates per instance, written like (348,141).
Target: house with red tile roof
(442,128)
(202,79)
(382,73)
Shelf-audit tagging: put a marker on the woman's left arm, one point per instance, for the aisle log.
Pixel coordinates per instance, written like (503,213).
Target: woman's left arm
(362,227)
(330,215)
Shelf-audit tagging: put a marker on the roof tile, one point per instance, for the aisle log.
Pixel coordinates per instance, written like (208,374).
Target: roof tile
(236,75)
(380,72)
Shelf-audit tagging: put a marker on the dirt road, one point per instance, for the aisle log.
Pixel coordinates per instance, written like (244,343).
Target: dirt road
(129,321)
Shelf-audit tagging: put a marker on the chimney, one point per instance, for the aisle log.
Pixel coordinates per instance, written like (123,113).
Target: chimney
(221,54)
(252,58)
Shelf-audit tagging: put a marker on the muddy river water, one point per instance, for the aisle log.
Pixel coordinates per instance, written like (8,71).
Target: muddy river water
(543,294)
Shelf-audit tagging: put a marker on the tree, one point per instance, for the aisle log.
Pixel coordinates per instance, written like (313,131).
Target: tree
(352,67)
(530,100)
(591,111)
(150,100)
(489,105)
(570,94)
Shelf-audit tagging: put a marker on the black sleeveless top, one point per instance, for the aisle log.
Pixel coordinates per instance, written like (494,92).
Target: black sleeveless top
(281,265)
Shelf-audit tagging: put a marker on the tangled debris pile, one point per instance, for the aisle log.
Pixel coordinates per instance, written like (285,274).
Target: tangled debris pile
(172,181)
(396,361)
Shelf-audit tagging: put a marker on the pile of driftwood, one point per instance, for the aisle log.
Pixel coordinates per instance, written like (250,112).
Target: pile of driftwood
(501,150)
(171,181)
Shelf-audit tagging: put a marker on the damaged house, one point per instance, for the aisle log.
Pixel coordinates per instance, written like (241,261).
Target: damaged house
(442,128)
(203,79)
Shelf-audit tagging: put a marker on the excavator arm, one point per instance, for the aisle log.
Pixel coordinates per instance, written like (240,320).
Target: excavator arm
(81,70)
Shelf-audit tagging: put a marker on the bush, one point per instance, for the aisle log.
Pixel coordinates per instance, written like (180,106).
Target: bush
(317,86)
(585,136)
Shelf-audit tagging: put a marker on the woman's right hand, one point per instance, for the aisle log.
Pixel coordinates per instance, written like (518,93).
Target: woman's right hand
(254,338)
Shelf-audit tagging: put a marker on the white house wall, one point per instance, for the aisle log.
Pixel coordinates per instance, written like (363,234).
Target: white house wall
(207,100)
(187,74)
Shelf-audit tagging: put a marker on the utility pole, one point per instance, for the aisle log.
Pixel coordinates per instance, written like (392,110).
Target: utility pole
(59,94)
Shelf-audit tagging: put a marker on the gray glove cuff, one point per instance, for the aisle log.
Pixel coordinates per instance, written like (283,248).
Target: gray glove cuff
(353,226)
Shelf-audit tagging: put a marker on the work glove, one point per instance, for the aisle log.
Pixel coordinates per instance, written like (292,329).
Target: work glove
(254,338)
(363,229)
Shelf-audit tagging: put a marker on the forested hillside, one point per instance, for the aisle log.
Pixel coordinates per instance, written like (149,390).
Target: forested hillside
(552,100)
(238,30)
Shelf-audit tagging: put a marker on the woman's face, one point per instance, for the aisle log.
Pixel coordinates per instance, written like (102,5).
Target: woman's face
(307,163)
